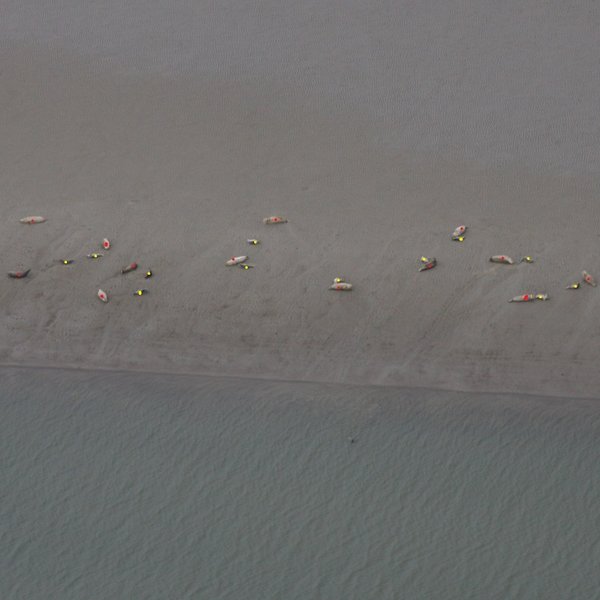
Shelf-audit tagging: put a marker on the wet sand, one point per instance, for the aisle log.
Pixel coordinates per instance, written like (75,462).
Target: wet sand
(374,131)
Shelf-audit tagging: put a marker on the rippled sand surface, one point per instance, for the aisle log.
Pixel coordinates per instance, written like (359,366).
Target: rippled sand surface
(132,486)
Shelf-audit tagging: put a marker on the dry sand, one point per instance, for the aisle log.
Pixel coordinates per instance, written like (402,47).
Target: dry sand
(374,129)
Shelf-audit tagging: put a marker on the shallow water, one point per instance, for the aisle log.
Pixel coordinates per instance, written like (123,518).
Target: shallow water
(118,485)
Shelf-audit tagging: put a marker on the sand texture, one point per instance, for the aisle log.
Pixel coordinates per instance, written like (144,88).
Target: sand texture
(375,130)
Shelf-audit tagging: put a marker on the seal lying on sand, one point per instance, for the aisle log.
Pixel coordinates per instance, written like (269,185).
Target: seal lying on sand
(588,278)
(18,274)
(130,267)
(459,233)
(529,297)
(274,220)
(342,286)
(236,260)
(502,258)
(428,263)
(32,220)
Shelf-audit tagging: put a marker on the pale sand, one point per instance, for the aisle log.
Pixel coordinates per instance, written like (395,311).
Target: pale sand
(375,134)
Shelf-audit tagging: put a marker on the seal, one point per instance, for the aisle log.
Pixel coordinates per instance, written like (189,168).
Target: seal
(18,274)
(502,258)
(458,234)
(130,267)
(588,278)
(32,220)
(530,297)
(523,298)
(236,260)
(428,263)
(342,286)
(274,220)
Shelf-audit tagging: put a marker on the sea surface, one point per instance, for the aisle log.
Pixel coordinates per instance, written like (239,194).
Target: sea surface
(126,485)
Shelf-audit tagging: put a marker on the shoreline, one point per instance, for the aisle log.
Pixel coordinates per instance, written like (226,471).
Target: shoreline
(274,380)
